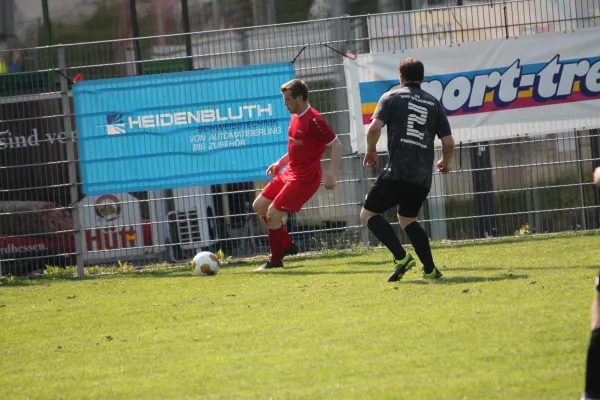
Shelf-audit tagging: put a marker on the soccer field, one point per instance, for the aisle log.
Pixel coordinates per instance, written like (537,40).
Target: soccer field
(510,320)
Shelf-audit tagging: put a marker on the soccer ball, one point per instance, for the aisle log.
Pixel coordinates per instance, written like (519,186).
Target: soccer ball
(205,263)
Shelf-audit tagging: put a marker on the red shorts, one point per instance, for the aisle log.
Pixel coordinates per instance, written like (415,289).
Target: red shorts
(288,194)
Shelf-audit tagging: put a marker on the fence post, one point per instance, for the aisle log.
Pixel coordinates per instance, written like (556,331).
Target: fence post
(483,187)
(72,170)
(185,20)
(581,180)
(438,229)
(135,32)
(362,182)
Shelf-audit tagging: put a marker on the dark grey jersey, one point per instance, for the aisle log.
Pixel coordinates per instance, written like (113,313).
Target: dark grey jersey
(413,118)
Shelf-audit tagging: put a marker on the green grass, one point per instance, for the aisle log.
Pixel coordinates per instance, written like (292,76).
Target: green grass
(510,321)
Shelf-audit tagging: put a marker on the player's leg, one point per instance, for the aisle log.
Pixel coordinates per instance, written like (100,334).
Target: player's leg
(274,220)
(382,230)
(275,225)
(381,197)
(592,368)
(261,206)
(291,198)
(410,203)
(592,371)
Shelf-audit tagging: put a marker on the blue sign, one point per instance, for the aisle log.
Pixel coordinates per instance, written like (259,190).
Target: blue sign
(181,129)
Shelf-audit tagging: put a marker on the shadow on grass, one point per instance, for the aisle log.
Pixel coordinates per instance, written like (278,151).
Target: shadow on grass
(482,268)
(375,262)
(294,272)
(520,268)
(446,280)
(453,280)
(328,255)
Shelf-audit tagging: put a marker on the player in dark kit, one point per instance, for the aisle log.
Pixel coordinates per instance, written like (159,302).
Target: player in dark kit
(592,369)
(309,135)
(413,118)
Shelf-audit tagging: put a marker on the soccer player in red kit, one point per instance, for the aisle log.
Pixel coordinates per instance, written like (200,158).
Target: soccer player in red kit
(309,135)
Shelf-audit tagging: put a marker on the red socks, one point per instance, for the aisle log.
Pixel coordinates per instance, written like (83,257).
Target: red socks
(286,239)
(275,243)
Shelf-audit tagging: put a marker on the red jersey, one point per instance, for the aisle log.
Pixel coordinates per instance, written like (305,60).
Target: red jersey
(309,134)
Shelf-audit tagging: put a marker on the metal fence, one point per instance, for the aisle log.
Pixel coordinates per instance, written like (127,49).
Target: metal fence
(541,183)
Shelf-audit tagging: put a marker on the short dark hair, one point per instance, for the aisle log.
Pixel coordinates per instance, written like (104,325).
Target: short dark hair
(298,88)
(412,70)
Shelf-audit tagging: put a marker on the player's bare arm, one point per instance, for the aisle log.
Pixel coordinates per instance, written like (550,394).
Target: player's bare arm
(443,165)
(275,168)
(335,160)
(373,134)
(596,312)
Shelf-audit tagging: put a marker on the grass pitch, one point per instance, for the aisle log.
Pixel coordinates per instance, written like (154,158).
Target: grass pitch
(510,320)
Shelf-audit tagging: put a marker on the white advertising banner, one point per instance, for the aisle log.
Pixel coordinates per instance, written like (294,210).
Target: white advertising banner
(112,228)
(493,89)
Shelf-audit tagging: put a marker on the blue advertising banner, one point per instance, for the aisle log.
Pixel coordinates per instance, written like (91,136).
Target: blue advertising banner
(181,129)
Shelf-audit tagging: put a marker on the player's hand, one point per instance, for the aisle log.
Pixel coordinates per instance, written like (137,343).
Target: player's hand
(329,182)
(273,169)
(442,167)
(597,176)
(371,159)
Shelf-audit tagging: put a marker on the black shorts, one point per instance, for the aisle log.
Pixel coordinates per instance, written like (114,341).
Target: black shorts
(592,386)
(385,194)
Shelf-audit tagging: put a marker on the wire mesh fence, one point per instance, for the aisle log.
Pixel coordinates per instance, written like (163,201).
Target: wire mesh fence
(505,187)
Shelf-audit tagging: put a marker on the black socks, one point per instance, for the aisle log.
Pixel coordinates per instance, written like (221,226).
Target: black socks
(386,235)
(420,241)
